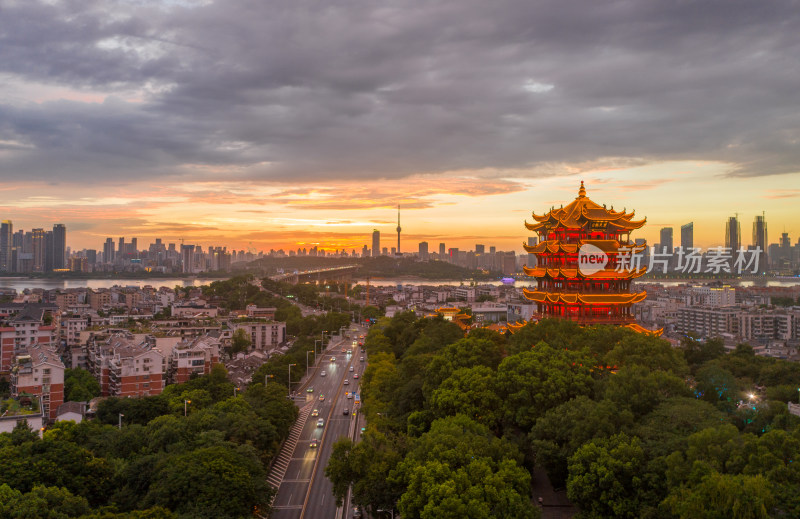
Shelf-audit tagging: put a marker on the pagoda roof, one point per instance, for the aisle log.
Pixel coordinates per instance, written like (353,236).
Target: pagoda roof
(572,273)
(581,211)
(638,328)
(586,299)
(607,246)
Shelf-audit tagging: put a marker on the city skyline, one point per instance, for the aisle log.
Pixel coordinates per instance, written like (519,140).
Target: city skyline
(280,125)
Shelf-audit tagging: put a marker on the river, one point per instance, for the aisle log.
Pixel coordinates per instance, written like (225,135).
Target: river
(20,283)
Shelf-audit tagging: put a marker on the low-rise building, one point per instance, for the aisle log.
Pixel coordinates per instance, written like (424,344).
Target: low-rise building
(125,366)
(38,371)
(192,357)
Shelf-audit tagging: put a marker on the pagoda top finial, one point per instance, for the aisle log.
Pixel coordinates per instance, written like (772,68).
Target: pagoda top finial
(581,191)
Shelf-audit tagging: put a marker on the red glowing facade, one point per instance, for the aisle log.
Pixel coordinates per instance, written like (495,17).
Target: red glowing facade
(583,269)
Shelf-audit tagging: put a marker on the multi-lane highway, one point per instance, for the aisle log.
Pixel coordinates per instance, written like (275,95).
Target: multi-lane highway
(305,492)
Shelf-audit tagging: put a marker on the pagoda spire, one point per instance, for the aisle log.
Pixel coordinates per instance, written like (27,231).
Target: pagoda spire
(582,191)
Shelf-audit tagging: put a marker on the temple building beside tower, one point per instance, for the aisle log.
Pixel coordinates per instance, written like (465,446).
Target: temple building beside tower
(585,263)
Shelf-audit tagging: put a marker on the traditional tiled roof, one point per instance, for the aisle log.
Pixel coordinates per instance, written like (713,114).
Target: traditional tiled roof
(582,211)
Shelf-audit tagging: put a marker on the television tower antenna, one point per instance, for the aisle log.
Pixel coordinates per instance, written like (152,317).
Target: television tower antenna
(398,229)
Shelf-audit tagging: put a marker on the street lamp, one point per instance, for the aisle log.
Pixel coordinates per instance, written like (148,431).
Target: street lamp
(266,379)
(184,406)
(120,421)
(290,378)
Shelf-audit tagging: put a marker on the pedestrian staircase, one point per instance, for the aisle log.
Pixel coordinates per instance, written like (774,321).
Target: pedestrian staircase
(281,463)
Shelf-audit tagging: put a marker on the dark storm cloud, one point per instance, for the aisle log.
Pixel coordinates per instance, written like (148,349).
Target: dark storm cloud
(293,89)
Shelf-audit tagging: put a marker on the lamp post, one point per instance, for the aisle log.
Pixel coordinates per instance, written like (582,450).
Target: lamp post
(184,406)
(290,378)
(234,391)
(266,379)
(120,421)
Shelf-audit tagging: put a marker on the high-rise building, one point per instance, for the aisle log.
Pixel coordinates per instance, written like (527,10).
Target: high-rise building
(108,251)
(733,234)
(760,240)
(442,252)
(91,256)
(134,247)
(121,248)
(6,244)
(480,249)
(687,236)
(532,241)
(423,251)
(666,242)
(38,248)
(59,246)
(187,258)
(376,243)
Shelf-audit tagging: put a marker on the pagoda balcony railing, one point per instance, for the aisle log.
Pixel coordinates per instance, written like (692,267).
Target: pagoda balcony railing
(553,290)
(590,320)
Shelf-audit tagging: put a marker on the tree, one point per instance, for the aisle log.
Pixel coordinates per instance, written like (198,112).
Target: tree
(240,341)
(562,430)
(698,352)
(80,385)
(717,385)
(471,392)
(723,496)
(606,477)
(459,469)
(41,503)
(641,390)
(464,353)
(210,482)
(534,381)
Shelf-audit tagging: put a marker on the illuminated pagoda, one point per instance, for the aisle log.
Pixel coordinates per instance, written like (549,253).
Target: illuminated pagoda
(584,268)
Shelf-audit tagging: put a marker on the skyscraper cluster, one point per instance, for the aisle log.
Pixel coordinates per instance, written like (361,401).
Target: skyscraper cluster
(37,250)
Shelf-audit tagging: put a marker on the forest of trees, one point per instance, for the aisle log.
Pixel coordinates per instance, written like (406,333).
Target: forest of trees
(209,463)
(631,426)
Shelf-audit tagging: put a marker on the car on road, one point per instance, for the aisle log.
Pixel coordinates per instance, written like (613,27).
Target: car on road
(346,411)
(355,375)
(346,382)
(313,444)
(333,359)
(315,412)
(349,395)
(343,350)
(357,513)
(361,359)
(321,398)
(351,368)
(310,390)
(321,423)
(322,373)
(349,352)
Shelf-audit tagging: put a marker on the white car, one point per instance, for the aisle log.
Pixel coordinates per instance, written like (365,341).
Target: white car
(320,423)
(322,373)
(346,382)
(351,368)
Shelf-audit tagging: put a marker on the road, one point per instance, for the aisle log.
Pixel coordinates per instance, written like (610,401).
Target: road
(305,492)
